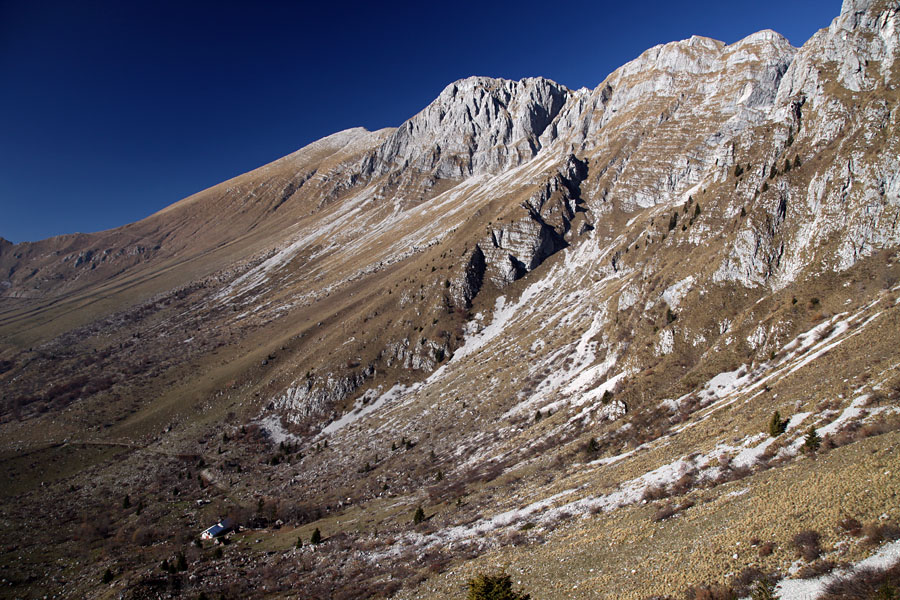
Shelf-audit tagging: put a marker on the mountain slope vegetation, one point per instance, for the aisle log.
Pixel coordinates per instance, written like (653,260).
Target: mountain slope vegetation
(532,330)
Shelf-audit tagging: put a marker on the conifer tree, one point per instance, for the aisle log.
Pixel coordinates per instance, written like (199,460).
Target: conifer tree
(777,426)
(812,441)
(494,587)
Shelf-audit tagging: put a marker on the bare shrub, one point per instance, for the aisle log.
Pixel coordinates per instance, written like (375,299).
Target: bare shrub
(142,536)
(731,473)
(814,569)
(684,484)
(664,512)
(806,543)
(716,591)
(514,538)
(851,526)
(864,584)
(743,581)
(876,533)
(766,549)
(655,492)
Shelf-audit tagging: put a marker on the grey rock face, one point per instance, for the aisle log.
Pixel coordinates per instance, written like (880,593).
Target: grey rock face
(854,201)
(315,398)
(421,356)
(466,286)
(476,125)
(859,47)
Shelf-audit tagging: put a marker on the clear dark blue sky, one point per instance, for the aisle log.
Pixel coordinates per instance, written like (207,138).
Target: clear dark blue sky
(111,110)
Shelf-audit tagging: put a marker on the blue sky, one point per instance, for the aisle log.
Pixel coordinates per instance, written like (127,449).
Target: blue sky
(112,110)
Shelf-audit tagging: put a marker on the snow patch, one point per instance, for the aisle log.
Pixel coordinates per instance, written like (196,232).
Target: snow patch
(810,589)
(676,292)
(365,406)
(666,342)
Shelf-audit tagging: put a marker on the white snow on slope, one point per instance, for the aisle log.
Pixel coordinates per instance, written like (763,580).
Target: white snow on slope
(810,589)
(364,406)
(676,292)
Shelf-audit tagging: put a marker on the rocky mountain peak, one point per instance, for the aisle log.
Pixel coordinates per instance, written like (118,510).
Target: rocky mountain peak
(860,45)
(476,125)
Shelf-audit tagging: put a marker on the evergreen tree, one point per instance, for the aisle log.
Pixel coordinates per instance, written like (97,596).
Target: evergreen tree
(493,587)
(419,516)
(673,221)
(316,537)
(777,426)
(107,576)
(812,441)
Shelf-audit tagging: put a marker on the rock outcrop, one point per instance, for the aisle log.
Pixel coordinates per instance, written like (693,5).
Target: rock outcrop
(510,251)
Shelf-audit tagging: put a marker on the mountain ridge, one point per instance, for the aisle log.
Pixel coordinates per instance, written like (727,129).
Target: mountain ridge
(559,321)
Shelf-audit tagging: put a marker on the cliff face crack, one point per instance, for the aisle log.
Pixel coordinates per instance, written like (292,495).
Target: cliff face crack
(467,286)
(522,246)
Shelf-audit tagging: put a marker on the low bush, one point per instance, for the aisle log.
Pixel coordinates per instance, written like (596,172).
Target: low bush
(851,526)
(664,512)
(875,533)
(745,580)
(715,591)
(763,589)
(865,584)
(806,543)
(655,492)
(815,569)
